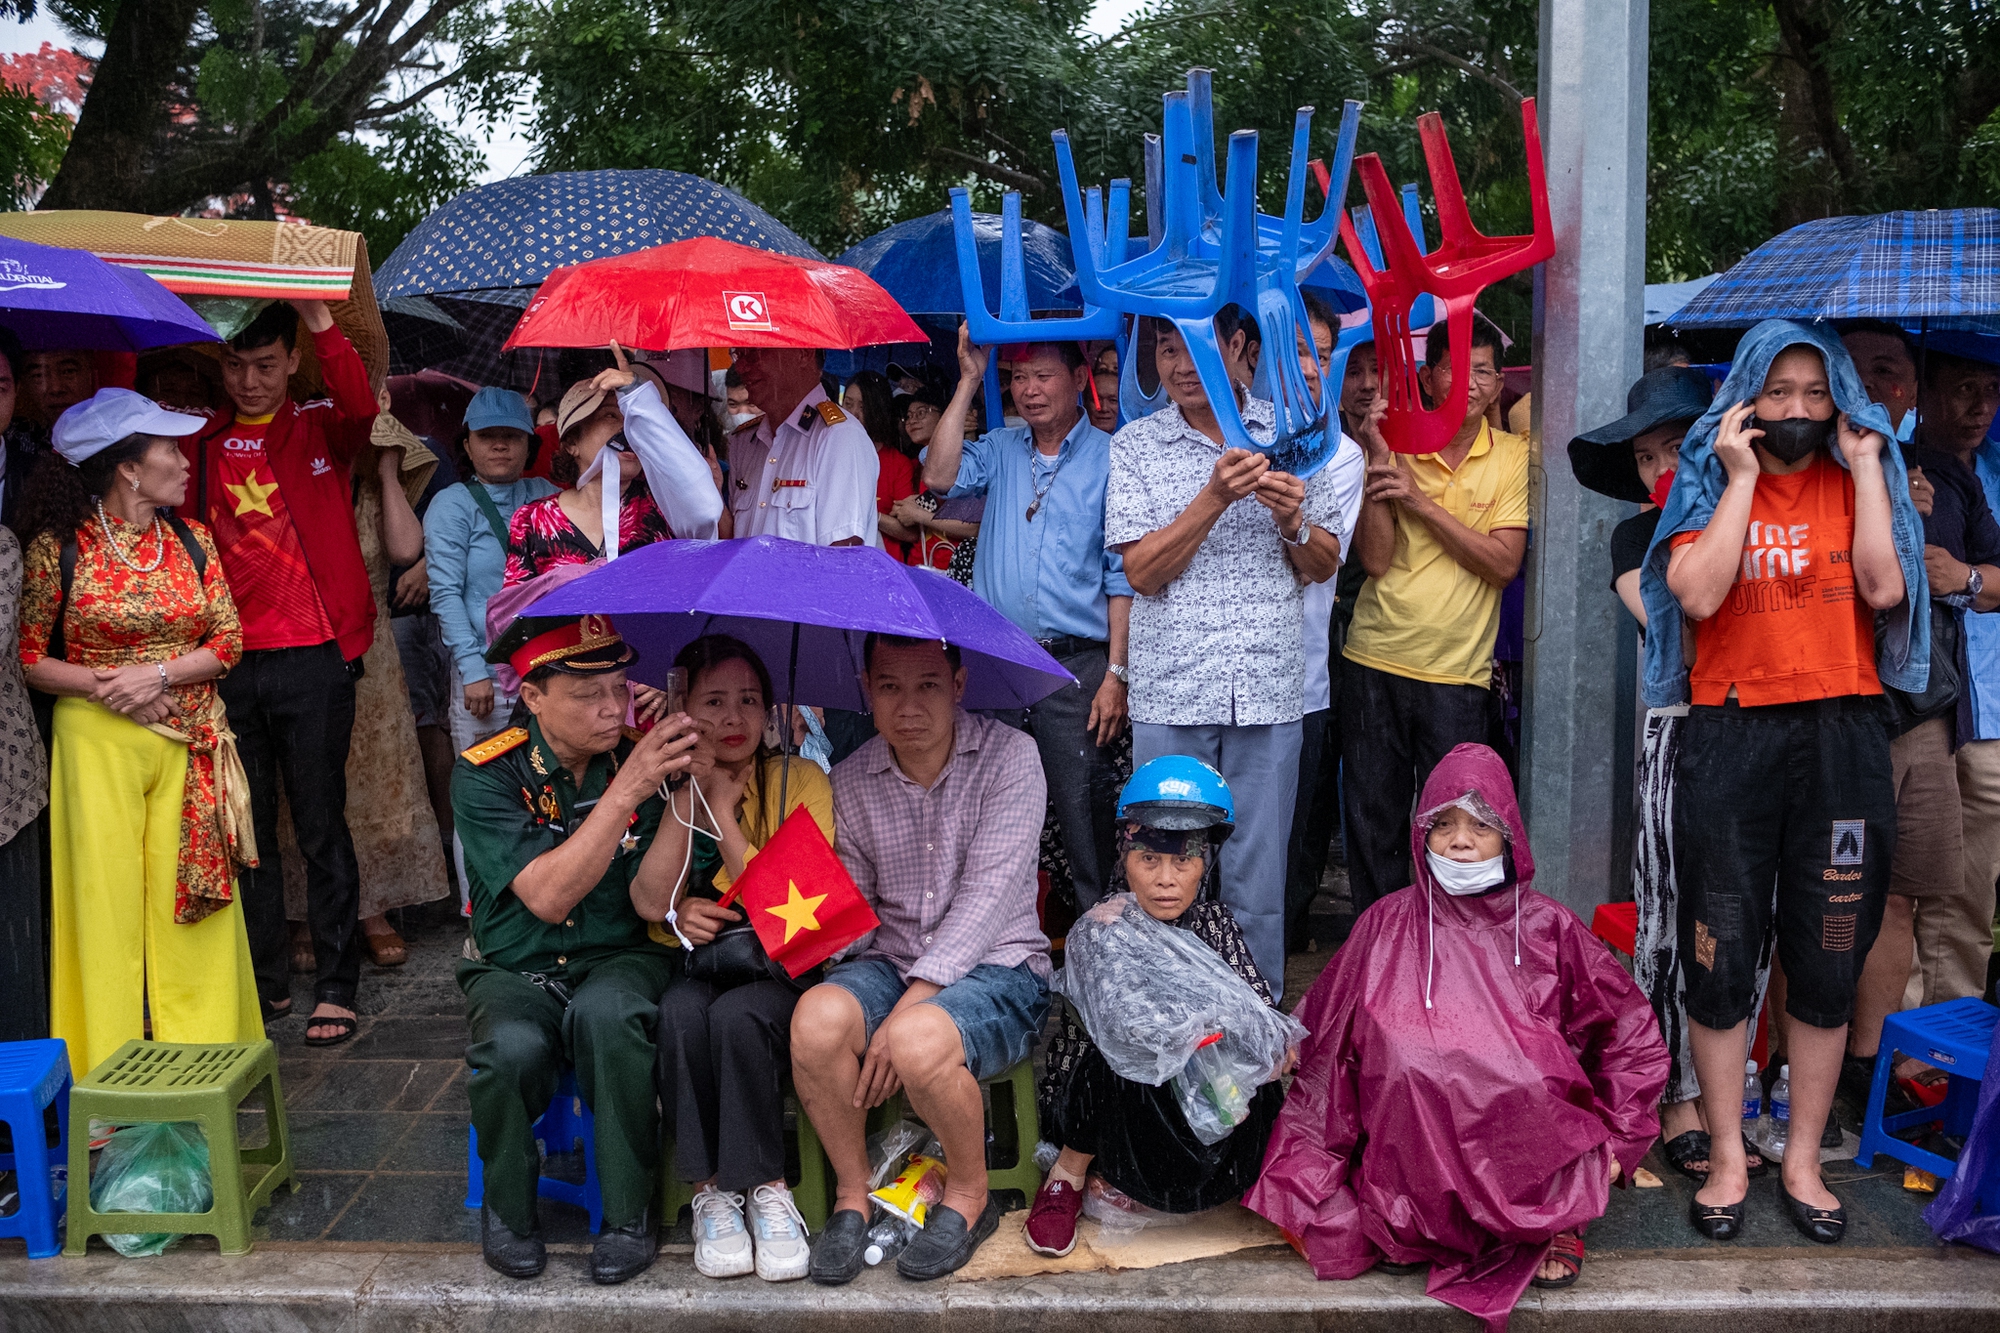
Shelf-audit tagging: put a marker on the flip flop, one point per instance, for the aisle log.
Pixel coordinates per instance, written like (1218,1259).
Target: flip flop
(1566,1249)
(387,949)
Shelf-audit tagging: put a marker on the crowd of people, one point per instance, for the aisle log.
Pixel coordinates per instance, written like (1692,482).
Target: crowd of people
(1263,666)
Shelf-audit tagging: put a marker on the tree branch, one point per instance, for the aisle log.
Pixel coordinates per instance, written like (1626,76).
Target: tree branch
(993,171)
(396,108)
(1419,53)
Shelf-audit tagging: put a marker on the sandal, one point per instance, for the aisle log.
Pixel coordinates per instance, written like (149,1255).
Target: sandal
(1692,1146)
(341,1021)
(1567,1250)
(274,1012)
(387,949)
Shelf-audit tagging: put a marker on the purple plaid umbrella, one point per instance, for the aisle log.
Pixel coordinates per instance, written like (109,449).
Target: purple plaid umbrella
(55,298)
(806,608)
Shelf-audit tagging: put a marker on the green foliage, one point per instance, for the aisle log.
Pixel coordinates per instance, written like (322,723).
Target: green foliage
(383,189)
(32,141)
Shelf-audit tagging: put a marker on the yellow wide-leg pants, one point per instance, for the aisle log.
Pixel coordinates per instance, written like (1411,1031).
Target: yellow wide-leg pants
(115,950)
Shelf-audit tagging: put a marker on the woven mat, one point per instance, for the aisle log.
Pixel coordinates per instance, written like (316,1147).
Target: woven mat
(1218,1231)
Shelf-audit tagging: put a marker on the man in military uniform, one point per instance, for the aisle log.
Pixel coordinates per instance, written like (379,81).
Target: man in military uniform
(557,819)
(808,471)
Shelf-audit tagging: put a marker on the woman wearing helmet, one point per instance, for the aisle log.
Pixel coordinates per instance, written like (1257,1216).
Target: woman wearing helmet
(1172,816)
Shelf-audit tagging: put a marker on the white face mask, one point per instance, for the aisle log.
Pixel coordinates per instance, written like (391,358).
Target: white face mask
(736,421)
(1460,878)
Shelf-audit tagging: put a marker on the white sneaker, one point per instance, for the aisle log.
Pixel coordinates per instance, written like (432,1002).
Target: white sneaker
(782,1252)
(721,1245)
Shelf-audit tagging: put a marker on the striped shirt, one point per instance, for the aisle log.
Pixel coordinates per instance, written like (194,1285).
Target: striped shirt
(950,870)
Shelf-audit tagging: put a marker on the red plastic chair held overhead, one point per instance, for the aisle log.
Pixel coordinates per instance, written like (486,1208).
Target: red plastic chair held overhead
(1464,264)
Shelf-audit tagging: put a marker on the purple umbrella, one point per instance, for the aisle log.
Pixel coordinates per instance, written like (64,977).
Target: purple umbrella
(807,606)
(55,298)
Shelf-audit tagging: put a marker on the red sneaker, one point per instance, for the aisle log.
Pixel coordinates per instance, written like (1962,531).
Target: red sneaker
(1051,1228)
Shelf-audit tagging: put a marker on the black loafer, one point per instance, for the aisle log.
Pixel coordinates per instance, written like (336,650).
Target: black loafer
(1399,1270)
(1717,1221)
(838,1249)
(624,1252)
(507,1253)
(946,1243)
(1825,1225)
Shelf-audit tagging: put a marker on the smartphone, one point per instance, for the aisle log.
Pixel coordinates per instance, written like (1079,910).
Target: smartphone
(776,732)
(675,687)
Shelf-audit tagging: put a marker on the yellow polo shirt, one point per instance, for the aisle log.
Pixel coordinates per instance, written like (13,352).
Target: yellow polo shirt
(1429,617)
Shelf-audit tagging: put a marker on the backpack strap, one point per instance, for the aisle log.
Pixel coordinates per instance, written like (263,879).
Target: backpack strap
(477,490)
(189,544)
(66,564)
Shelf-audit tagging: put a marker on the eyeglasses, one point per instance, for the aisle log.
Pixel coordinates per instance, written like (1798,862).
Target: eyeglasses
(1478,375)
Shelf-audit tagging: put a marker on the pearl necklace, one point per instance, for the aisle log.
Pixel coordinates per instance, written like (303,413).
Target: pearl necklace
(119,551)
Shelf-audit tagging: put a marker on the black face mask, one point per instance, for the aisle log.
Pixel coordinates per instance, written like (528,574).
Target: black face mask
(1793,438)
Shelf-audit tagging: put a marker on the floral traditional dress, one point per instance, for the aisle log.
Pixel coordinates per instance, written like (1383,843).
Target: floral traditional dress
(541,536)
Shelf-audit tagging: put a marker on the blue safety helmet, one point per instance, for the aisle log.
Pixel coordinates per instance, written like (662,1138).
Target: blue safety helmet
(1176,792)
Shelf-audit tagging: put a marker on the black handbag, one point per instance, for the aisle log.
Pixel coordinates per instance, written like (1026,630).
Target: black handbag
(1941,688)
(736,957)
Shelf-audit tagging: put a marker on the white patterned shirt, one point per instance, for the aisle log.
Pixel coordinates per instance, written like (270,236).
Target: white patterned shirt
(1221,645)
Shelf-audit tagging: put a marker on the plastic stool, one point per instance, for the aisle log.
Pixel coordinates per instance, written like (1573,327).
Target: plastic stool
(1955,1036)
(34,1075)
(813,1193)
(1617,924)
(564,1127)
(151,1083)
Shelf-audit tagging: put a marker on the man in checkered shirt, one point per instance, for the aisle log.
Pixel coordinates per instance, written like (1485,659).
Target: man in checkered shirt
(938,818)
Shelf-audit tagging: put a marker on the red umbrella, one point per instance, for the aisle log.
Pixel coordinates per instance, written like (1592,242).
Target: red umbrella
(709,292)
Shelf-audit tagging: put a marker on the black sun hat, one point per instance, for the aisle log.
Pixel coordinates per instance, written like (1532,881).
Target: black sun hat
(1602,458)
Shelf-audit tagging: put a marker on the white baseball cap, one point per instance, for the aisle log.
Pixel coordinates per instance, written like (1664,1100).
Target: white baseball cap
(111,415)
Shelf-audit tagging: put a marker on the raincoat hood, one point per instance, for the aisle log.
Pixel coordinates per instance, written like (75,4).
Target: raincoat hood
(1473,768)
(1903,652)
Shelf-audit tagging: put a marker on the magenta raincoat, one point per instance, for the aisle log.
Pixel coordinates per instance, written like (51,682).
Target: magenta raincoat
(1490,1118)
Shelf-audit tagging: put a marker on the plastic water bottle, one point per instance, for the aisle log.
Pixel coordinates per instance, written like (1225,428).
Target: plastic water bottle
(1753,1093)
(887,1238)
(1778,1124)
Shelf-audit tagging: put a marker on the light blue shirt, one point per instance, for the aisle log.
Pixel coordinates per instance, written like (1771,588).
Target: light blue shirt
(468,564)
(1982,632)
(1050,575)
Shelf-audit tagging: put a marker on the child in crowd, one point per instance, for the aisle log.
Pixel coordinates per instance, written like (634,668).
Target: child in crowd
(1479,1072)
(465,546)
(1173,815)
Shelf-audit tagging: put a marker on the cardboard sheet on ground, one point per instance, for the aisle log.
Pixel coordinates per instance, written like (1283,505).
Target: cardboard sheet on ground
(1219,1231)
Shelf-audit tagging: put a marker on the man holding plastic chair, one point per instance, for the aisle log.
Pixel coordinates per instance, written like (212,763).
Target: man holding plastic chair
(558,819)
(1219,548)
(1041,563)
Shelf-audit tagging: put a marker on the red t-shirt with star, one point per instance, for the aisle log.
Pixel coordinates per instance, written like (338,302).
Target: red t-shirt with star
(268,576)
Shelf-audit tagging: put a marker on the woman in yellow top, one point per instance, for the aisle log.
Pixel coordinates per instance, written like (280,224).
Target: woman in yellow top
(147,813)
(725,1042)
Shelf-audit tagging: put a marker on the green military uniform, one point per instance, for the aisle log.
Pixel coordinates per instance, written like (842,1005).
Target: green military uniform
(513,801)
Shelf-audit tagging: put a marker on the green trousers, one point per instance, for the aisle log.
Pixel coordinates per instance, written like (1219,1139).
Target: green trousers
(522,1038)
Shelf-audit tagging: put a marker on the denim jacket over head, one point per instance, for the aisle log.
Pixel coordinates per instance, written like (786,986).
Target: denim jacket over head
(1903,658)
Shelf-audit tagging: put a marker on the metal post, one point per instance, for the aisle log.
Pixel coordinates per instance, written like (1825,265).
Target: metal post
(1589,319)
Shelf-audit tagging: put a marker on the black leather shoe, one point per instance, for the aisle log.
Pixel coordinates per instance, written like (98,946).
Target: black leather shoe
(1717,1221)
(946,1243)
(838,1249)
(1825,1225)
(507,1253)
(624,1252)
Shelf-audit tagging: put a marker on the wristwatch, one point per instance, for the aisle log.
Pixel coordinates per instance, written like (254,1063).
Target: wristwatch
(1975,583)
(1124,674)
(1305,534)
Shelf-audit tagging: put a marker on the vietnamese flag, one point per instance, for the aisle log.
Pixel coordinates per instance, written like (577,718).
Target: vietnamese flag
(800,898)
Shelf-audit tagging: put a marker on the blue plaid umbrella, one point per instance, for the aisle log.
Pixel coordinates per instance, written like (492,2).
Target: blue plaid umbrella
(509,234)
(1938,269)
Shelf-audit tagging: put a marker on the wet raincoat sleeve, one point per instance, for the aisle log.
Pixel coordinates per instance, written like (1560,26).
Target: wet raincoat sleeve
(1617,1041)
(1306,1187)
(1903,659)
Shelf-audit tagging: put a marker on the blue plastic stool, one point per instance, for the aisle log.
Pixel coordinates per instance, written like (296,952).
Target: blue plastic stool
(1954,1036)
(33,1076)
(563,1127)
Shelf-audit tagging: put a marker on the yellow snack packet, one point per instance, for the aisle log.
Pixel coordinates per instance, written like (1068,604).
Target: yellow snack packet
(915,1190)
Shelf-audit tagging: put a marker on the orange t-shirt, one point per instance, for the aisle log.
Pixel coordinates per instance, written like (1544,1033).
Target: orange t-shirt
(1793,628)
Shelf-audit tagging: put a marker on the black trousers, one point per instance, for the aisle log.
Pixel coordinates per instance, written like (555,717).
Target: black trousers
(723,1056)
(293,713)
(24,941)
(1083,782)
(1785,820)
(1394,730)
(1315,817)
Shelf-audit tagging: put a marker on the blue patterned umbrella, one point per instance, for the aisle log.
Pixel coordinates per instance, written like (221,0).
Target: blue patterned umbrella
(510,234)
(1938,269)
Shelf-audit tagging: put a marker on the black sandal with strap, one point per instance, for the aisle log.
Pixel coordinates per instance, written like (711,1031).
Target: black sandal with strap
(1695,1146)
(345,1024)
(1567,1250)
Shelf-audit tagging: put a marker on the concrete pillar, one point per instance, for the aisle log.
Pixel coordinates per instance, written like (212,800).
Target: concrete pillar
(1589,317)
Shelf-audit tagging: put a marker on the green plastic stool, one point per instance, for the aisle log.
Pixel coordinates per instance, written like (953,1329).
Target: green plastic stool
(812,1194)
(151,1082)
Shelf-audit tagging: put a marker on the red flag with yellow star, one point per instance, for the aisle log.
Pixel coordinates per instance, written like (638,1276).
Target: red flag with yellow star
(800,898)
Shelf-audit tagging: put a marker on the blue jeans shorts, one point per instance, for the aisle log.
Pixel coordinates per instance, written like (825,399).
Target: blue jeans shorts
(998,1010)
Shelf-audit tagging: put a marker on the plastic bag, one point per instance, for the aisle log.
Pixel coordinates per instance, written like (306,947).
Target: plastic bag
(1120,1217)
(890,1149)
(152,1169)
(1152,995)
